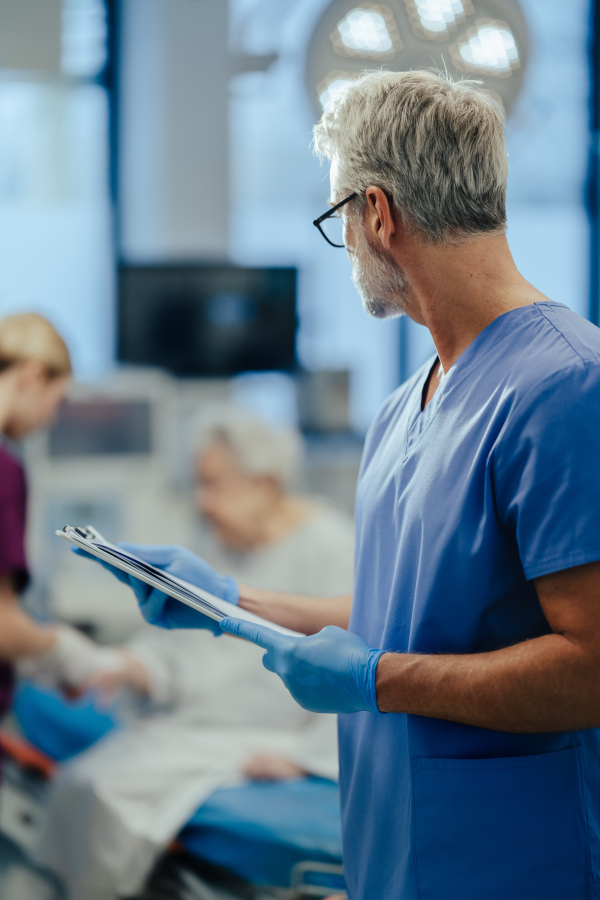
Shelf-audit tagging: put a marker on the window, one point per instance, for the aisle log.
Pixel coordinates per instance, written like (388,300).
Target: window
(55,227)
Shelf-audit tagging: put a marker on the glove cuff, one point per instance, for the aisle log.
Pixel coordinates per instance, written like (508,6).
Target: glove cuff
(371,693)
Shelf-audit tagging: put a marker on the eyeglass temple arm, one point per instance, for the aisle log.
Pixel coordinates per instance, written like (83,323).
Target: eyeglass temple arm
(333,209)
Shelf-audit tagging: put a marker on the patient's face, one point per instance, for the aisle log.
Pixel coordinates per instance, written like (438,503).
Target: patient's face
(236,505)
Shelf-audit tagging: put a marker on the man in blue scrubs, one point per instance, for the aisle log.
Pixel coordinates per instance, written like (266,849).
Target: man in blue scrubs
(467,667)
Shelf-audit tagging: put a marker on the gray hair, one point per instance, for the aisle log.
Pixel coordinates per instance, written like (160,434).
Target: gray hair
(435,146)
(259,447)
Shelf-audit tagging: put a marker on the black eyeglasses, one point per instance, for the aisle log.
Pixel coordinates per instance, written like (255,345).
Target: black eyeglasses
(330,223)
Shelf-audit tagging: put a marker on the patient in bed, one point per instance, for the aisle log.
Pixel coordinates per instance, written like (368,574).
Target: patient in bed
(217,715)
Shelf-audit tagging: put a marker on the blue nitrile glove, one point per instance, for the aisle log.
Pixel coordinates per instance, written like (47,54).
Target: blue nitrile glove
(160,609)
(329,672)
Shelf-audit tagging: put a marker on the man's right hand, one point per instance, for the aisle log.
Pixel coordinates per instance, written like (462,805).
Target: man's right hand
(332,671)
(160,609)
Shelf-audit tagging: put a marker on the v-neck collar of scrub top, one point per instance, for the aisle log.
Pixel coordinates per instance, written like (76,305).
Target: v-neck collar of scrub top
(498,330)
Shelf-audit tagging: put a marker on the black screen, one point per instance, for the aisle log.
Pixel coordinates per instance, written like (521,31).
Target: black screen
(207,320)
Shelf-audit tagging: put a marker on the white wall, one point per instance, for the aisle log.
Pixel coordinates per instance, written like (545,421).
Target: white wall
(173,152)
(30,35)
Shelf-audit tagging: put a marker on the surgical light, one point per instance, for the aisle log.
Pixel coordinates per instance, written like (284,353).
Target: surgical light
(367,32)
(333,86)
(435,19)
(488,38)
(489,48)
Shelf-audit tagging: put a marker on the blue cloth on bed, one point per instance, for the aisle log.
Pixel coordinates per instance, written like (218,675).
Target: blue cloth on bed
(59,727)
(257,830)
(261,830)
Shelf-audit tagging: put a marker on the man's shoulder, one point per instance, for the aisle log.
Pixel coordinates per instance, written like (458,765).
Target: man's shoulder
(559,339)
(563,355)
(567,340)
(548,391)
(544,348)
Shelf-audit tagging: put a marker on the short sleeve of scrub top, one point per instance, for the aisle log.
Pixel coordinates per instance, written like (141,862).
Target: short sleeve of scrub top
(547,473)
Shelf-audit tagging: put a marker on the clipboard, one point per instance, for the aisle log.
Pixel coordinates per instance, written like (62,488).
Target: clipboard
(90,540)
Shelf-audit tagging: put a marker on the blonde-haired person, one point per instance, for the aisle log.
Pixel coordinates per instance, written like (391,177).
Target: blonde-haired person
(35,370)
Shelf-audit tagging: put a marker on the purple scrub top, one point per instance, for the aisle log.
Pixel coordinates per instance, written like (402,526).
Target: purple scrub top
(13,561)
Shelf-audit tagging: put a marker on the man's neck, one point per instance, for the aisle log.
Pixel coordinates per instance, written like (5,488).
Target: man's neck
(459,289)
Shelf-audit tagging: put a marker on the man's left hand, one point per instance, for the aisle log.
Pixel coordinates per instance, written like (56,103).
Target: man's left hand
(329,672)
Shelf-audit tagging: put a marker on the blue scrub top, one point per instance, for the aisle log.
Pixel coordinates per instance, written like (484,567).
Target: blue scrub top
(459,507)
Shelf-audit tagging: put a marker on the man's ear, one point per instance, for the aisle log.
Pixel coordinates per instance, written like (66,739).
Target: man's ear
(380,221)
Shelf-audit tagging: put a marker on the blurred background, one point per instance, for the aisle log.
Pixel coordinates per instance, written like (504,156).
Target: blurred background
(157,187)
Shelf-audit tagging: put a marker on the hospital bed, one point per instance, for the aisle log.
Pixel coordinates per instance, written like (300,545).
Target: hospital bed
(25,774)
(274,839)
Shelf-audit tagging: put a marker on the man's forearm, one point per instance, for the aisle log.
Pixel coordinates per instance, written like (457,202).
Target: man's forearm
(546,684)
(300,613)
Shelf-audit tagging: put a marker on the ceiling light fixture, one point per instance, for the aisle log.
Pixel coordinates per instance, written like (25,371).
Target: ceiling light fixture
(333,86)
(436,19)
(367,32)
(489,48)
(457,37)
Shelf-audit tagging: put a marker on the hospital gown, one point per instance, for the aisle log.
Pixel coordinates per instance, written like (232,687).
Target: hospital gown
(115,807)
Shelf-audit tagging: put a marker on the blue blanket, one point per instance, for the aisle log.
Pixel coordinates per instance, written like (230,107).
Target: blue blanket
(58,727)
(261,830)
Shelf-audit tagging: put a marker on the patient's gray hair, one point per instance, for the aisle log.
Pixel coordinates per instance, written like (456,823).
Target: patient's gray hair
(435,146)
(259,447)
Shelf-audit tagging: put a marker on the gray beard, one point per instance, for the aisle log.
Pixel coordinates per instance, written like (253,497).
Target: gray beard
(383,286)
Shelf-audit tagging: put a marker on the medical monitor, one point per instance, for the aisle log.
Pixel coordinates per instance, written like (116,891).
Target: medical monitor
(207,320)
(101,427)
